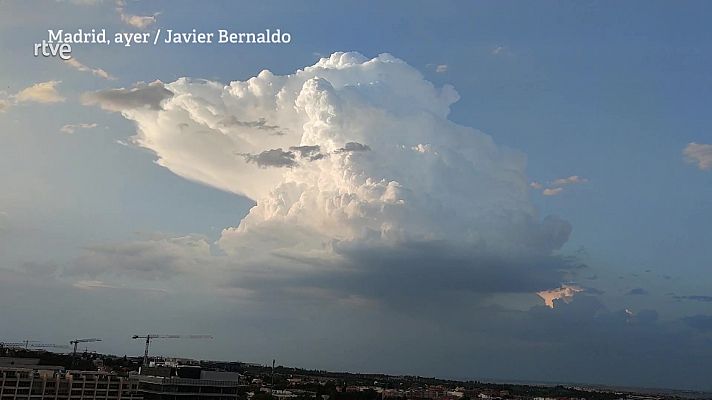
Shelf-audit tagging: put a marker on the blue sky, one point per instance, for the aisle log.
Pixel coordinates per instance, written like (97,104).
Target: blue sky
(610,92)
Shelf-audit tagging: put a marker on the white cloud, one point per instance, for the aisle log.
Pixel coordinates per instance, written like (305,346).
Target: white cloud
(700,154)
(442,68)
(72,62)
(137,21)
(571,180)
(365,161)
(501,50)
(71,128)
(43,92)
(556,186)
(552,191)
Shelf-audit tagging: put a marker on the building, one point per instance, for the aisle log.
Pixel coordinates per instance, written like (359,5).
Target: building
(52,383)
(176,382)
(25,379)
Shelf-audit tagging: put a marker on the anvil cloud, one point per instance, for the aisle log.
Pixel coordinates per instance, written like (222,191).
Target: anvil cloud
(353,163)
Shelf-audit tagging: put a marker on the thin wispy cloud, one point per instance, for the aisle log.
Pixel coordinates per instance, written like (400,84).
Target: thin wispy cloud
(101,285)
(501,50)
(74,63)
(71,128)
(571,180)
(556,187)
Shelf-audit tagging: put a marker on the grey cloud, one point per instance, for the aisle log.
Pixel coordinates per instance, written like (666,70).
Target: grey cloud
(157,258)
(280,158)
(260,124)
(142,95)
(425,273)
(273,158)
(312,153)
(637,292)
(704,299)
(593,291)
(351,147)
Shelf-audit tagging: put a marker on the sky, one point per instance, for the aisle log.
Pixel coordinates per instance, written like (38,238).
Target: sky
(472,190)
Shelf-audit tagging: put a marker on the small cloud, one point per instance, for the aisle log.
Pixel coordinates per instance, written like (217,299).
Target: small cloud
(564,293)
(352,147)
(71,128)
(137,21)
(536,185)
(99,285)
(700,154)
(500,51)
(552,191)
(272,158)
(637,292)
(556,186)
(571,180)
(442,68)
(311,153)
(703,299)
(260,124)
(72,62)
(43,92)
(142,95)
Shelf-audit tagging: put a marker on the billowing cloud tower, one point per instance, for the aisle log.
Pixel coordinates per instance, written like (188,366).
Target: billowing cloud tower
(354,162)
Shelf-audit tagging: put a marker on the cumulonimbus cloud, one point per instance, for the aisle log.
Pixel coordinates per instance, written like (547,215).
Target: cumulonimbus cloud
(366,162)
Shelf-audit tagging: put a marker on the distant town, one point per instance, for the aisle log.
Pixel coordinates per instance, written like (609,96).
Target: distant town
(34,373)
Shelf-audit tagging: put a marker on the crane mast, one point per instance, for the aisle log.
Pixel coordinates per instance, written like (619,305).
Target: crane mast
(150,337)
(76,342)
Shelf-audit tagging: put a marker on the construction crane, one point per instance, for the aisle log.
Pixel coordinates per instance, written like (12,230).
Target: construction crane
(26,344)
(76,342)
(150,337)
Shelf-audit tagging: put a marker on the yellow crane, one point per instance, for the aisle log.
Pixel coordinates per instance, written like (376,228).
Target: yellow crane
(150,337)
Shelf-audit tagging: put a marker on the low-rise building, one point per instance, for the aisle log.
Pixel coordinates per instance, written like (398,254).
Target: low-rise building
(174,382)
(53,383)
